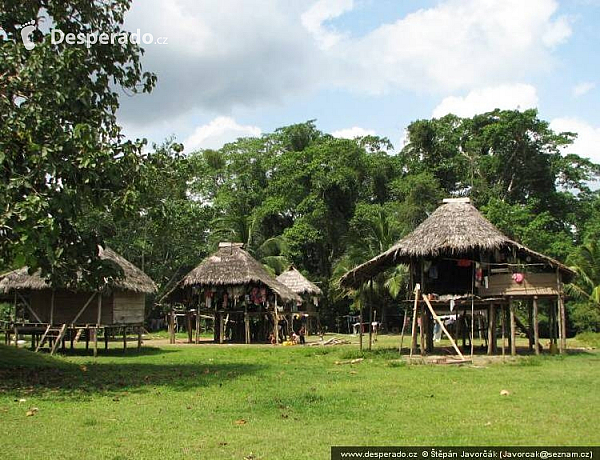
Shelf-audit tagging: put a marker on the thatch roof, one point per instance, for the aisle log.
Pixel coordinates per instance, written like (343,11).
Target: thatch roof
(294,280)
(231,266)
(453,229)
(133,278)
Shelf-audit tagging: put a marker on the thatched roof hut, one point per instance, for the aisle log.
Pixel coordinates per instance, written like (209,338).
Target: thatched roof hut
(133,279)
(455,229)
(120,302)
(231,265)
(295,281)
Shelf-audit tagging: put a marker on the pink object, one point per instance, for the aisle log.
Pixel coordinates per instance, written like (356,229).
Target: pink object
(518,277)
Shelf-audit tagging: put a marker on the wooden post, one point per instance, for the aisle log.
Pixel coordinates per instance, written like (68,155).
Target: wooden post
(139,341)
(403,329)
(360,321)
(275,321)
(172,326)
(422,329)
(246,324)
(491,329)
(413,341)
(221,326)
(530,326)
(197,324)
(95,341)
(98,321)
(124,339)
(513,328)
(105,339)
(370,314)
(188,317)
(503,321)
(441,323)
(563,322)
(52,307)
(536,326)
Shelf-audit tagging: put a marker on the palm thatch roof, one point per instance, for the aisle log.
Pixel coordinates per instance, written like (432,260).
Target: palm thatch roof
(294,280)
(455,228)
(133,278)
(231,266)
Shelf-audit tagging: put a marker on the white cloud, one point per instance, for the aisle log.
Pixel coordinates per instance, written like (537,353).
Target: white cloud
(583,88)
(248,54)
(506,97)
(320,12)
(218,132)
(457,44)
(352,133)
(587,143)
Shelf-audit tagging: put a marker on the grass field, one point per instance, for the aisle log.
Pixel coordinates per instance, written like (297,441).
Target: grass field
(231,402)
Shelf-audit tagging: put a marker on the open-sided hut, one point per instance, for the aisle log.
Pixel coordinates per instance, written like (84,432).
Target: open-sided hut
(310,294)
(461,261)
(56,312)
(245,301)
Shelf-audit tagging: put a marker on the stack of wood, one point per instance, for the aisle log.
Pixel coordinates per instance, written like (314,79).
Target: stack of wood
(331,341)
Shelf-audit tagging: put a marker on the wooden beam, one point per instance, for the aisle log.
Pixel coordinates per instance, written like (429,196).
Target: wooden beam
(441,323)
(422,329)
(503,321)
(99,318)
(530,334)
(360,321)
(536,326)
(124,339)
(83,308)
(139,341)
(370,314)
(563,316)
(513,328)
(491,329)
(413,341)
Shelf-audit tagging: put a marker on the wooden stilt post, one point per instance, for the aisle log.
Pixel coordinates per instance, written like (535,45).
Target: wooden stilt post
(360,329)
(105,339)
(491,329)
(221,326)
(503,321)
(370,314)
(513,328)
(563,322)
(530,326)
(275,321)
(422,329)
(246,324)
(413,340)
(197,325)
(98,322)
(124,339)
(188,317)
(139,338)
(536,326)
(172,326)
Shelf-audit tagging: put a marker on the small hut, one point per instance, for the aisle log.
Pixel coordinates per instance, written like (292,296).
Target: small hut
(461,262)
(309,292)
(244,300)
(54,313)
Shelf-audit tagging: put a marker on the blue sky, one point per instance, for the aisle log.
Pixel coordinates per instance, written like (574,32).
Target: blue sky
(242,67)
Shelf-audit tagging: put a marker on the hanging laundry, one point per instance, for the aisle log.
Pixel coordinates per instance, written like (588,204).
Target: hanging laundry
(518,277)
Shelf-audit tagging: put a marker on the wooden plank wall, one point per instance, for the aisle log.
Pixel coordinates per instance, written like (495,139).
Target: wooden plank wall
(533,284)
(129,308)
(67,304)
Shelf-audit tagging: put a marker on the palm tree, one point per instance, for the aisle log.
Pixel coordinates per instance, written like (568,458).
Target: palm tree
(585,261)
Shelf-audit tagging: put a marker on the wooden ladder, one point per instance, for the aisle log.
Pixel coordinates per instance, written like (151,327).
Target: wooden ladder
(56,333)
(77,336)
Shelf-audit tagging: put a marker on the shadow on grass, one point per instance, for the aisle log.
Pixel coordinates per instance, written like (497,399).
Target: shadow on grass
(24,372)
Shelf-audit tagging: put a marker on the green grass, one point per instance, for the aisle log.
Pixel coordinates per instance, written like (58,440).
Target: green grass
(589,339)
(225,402)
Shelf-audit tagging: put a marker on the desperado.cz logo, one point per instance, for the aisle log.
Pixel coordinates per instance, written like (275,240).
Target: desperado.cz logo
(57,37)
